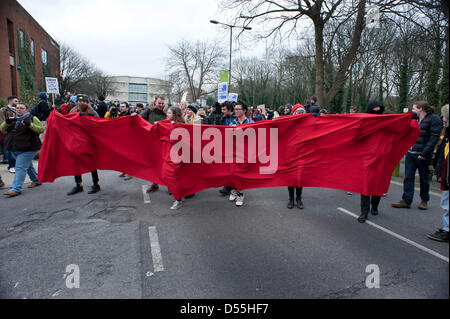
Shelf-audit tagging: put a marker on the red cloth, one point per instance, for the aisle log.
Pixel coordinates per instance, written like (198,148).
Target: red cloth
(353,152)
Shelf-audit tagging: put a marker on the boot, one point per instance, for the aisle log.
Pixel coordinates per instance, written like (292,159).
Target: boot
(423,205)
(374,211)
(76,189)
(290,205)
(401,204)
(94,189)
(300,203)
(362,218)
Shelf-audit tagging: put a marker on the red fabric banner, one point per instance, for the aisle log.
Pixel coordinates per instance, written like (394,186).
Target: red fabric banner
(352,152)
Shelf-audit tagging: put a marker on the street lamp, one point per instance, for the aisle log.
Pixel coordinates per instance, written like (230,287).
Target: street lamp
(231,43)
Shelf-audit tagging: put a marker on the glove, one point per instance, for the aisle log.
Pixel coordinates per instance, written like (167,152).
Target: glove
(10,120)
(27,121)
(82,113)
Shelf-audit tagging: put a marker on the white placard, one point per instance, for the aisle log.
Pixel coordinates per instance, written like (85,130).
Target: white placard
(203,103)
(233,97)
(52,85)
(222,94)
(183,99)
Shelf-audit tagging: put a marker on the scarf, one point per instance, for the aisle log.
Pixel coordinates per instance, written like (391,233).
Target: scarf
(20,119)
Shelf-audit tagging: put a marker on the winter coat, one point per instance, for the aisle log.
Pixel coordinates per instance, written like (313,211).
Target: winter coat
(23,138)
(430,130)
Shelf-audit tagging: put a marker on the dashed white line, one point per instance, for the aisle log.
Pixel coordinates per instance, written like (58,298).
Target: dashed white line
(155,249)
(146,195)
(417,189)
(432,252)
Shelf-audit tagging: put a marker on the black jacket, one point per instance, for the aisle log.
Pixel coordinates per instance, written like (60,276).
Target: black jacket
(430,131)
(22,138)
(102,109)
(42,110)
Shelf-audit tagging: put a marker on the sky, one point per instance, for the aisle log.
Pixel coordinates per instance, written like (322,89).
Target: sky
(130,37)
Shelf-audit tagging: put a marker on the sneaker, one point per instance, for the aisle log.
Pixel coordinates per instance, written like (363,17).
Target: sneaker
(76,189)
(153,188)
(240,200)
(290,205)
(300,203)
(122,175)
(12,170)
(401,204)
(11,193)
(94,189)
(349,193)
(423,205)
(127,177)
(33,185)
(176,205)
(233,195)
(439,236)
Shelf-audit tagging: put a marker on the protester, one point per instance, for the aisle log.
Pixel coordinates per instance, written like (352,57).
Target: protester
(240,109)
(438,157)
(227,113)
(113,111)
(83,108)
(419,156)
(215,117)
(353,110)
(374,107)
(139,108)
(101,107)
(201,116)
(22,140)
(191,114)
(442,234)
(6,112)
(298,109)
(42,110)
(66,107)
(313,104)
(257,116)
(124,110)
(288,109)
(153,115)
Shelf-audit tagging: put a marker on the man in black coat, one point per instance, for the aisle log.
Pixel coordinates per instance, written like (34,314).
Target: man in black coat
(101,107)
(374,107)
(419,156)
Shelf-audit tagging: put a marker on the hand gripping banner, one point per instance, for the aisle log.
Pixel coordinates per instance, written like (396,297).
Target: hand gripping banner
(352,152)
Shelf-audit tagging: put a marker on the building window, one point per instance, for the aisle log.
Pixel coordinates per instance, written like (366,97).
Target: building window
(138,88)
(137,97)
(21,36)
(32,47)
(44,57)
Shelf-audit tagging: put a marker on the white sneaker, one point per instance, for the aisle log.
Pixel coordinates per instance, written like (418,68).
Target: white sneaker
(177,205)
(233,195)
(12,170)
(240,200)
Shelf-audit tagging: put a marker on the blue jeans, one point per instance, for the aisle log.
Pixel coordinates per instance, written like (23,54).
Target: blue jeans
(24,165)
(444,206)
(413,163)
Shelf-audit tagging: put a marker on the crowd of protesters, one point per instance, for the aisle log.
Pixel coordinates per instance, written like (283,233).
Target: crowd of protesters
(22,133)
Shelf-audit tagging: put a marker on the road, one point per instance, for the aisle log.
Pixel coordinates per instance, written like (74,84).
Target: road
(127,245)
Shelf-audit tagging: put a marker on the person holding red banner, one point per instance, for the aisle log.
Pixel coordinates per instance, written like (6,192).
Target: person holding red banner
(374,107)
(83,108)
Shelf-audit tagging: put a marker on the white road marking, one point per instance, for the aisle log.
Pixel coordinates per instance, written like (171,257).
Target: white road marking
(416,188)
(425,249)
(155,249)
(146,195)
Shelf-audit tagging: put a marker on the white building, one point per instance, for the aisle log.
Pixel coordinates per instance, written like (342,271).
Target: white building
(138,89)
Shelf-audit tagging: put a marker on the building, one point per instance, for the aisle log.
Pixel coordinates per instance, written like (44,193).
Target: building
(27,52)
(138,89)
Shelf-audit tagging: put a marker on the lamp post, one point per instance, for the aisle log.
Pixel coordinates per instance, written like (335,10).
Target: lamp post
(231,44)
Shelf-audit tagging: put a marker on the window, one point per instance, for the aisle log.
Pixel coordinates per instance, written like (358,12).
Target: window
(32,47)
(44,57)
(137,97)
(21,36)
(139,88)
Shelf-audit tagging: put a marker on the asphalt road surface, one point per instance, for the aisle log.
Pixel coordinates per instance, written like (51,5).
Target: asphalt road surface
(124,244)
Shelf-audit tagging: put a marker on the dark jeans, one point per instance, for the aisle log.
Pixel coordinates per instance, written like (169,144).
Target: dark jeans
(298,191)
(367,200)
(78,179)
(7,156)
(413,163)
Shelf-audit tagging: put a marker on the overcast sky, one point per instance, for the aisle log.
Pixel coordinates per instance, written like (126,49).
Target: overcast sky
(128,37)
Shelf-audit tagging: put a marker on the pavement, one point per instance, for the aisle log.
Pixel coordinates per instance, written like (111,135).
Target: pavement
(128,244)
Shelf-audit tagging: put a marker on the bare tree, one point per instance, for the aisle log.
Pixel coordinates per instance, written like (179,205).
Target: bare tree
(196,64)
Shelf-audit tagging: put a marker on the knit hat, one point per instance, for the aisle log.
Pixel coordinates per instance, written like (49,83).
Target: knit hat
(82,97)
(373,104)
(192,108)
(101,98)
(297,106)
(43,96)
